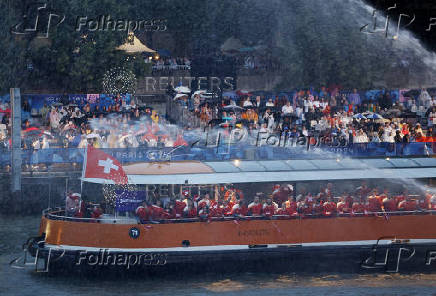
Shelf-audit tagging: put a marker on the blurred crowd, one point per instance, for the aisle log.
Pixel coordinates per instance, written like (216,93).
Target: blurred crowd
(166,65)
(69,126)
(328,113)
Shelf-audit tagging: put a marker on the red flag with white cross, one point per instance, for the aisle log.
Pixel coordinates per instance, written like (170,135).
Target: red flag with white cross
(100,165)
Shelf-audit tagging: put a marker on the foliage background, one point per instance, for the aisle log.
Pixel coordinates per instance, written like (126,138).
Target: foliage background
(315,42)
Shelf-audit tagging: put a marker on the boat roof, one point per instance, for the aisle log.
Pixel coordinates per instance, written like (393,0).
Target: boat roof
(251,171)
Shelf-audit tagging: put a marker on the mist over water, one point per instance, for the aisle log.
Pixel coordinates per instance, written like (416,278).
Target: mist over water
(321,39)
(406,44)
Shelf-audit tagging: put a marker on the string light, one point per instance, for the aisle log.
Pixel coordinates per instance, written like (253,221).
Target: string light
(110,192)
(119,81)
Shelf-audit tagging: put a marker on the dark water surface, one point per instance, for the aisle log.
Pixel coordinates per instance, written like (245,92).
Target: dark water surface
(14,231)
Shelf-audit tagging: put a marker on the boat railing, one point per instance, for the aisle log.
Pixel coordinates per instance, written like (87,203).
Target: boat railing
(59,214)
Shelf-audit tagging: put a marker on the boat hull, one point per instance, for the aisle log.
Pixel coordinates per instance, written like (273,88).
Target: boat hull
(398,243)
(392,258)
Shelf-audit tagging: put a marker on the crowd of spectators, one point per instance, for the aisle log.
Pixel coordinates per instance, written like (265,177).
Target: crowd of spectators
(121,125)
(126,125)
(167,65)
(349,116)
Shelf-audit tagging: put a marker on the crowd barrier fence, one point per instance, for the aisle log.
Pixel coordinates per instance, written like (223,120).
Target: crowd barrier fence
(226,152)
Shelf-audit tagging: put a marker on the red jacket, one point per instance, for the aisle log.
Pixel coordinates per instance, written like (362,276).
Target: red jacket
(269,210)
(96,213)
(358,208)
(329,208)
(343,207)
(179,207)
(389,205)
(255,209)
(143,213)
(318,209)
(399,199)
(291,208)
(190,213)
(374,205)
(239,210)
(157,212)
(408,205)
(216,211)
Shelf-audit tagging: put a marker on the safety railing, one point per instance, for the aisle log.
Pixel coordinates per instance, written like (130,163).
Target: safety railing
(243,151)
(59,214)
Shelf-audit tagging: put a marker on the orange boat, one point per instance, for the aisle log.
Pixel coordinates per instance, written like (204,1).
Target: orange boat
(388,242)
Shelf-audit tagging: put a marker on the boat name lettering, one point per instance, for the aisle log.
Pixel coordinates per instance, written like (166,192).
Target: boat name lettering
(253,232)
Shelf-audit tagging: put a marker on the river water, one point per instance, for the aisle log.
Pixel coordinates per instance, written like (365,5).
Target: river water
(14,231)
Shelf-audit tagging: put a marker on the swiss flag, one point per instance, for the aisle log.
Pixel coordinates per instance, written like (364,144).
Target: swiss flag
(100,165)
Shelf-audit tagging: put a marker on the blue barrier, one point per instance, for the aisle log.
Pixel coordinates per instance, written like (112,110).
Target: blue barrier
(243,152)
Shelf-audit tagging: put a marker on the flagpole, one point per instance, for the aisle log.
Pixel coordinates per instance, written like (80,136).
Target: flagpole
(85,159)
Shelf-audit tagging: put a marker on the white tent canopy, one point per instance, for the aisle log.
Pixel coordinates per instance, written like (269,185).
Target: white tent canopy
(134,47)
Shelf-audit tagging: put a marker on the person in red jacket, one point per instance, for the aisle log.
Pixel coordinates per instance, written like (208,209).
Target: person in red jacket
(227,206)
(401,197)
(282,211)
(157,212)
(96,212)
(358,208)
(268,209)
(374,205)
(190,211)
(239,209)
(408,205)
(305,206)
(204,202)
(423,203)
(329,208)
(170,211)
(179,206)
(389,204)
(143,212)
(349,200)
(217,209)
(343,206)
(318,207)
(291,206)
(255,208)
